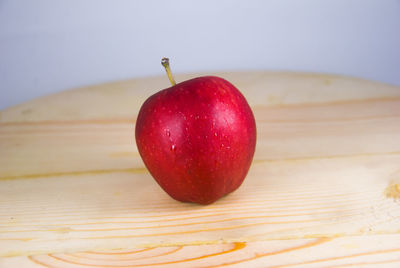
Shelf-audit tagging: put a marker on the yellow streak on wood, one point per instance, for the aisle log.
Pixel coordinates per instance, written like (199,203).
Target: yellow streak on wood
(75,173)
(286,250)
(393,191)
(244,254)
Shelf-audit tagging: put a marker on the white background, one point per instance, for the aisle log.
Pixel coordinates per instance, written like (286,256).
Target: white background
(47,45)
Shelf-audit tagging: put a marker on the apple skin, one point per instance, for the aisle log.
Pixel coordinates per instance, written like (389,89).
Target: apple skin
(197,139)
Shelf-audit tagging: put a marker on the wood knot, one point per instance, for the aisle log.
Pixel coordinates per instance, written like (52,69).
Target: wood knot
(393,191)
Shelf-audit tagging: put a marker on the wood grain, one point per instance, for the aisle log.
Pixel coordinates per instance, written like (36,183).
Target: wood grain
(357,251)
(323,189)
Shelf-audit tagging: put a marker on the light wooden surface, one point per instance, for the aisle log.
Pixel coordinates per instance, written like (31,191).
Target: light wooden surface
(323,190)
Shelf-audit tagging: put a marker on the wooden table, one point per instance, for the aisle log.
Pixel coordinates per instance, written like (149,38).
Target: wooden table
(323,189)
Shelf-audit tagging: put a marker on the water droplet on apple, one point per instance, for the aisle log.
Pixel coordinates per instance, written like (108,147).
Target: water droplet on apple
(173,147)
(167,133)
(215,134)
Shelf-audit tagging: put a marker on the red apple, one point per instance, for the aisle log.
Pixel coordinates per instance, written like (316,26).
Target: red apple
(197,138)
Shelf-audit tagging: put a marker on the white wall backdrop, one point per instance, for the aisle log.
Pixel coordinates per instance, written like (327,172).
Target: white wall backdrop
(48,46)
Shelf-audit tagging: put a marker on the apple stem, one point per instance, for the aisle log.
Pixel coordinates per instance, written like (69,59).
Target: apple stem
(165,63)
